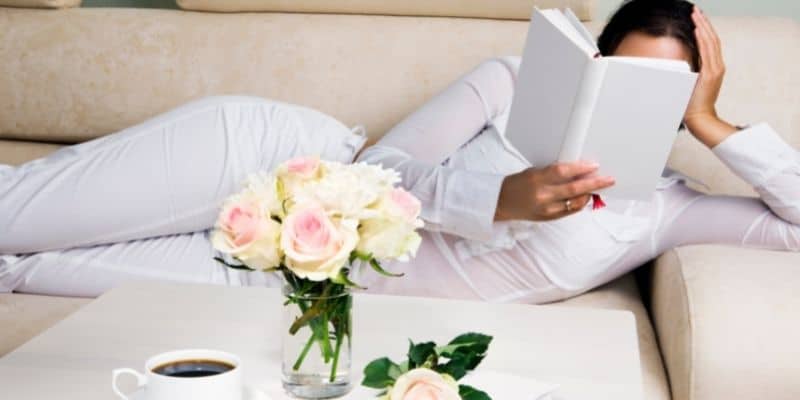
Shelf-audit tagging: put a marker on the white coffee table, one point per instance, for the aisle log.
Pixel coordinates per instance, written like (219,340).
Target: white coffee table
(592,354)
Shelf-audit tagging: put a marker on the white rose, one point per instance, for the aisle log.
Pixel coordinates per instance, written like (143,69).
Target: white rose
(316,246)
(424,384)
(245,231)
(390,234)
(387,239)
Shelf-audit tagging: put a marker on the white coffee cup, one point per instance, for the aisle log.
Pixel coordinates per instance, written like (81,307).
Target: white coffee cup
(221,386)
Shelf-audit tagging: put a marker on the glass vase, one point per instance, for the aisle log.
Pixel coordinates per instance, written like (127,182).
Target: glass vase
(317,340)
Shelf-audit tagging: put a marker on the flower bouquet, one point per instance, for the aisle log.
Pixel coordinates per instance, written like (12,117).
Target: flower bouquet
(313,222)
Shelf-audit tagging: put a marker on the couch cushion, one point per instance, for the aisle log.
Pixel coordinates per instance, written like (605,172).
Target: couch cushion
(727,322)
(25,316)
(40,3)
(502,9)
(14,152)
(623,294)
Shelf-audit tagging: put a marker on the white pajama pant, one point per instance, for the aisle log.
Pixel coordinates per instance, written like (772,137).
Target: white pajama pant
(138,204)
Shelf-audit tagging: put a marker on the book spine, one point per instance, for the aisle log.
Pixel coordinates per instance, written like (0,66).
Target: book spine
(582,110)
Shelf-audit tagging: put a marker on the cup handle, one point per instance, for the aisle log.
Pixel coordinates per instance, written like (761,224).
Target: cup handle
(141,380)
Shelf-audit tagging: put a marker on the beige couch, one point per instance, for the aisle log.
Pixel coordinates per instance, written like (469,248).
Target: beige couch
(725,318)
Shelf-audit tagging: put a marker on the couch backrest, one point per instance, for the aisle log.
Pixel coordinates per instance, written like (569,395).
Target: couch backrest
(77,74)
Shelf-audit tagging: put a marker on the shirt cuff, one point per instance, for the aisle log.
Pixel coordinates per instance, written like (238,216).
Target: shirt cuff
(471,202)
(756,154)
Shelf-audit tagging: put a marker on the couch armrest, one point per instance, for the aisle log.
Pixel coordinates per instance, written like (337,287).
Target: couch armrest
(727,322)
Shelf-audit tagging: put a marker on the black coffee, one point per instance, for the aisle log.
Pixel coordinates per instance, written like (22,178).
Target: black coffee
(193,368)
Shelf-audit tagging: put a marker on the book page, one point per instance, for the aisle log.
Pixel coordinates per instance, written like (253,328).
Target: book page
(562,22)
(548,82)
(581,29)
(634,124)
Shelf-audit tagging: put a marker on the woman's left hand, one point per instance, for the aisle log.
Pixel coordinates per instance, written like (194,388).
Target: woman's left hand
(701,114)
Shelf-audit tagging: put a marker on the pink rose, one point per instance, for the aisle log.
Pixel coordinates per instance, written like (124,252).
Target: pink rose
(424,384)
(245,231)
(241,222)
(297,172)
(316,246)
(303,167)
(406,205)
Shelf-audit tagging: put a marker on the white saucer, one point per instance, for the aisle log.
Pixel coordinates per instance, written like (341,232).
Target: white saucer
(250,393)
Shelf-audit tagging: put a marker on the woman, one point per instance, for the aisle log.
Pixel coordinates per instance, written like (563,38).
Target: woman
(144,205)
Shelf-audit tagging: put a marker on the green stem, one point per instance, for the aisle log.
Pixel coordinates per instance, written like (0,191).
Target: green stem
(336,358)
(309,314)
(303,354)
(324,338)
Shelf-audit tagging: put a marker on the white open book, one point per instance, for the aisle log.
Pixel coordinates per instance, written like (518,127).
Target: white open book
(571,104)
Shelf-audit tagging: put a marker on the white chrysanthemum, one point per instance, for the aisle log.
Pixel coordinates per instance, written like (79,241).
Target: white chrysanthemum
(265,187)
(347,191)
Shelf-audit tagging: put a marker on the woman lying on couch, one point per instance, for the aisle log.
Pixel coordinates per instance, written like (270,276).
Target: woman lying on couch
(138,204)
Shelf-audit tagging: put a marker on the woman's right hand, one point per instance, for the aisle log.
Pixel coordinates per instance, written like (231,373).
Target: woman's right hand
(542,194)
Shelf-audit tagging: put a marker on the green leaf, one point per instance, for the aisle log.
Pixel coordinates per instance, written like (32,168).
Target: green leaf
(421,354)
(460,364)
(343,279)
(395,372)
(473,342)
(233,266)
(404,367)
(361,256)
(377,267)
(378,373)
(465,353)
(470,393)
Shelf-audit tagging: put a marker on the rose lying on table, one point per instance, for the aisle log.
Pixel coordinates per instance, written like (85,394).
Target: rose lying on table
(425,375)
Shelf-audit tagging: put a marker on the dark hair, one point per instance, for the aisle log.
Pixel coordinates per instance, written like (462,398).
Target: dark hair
(672,18)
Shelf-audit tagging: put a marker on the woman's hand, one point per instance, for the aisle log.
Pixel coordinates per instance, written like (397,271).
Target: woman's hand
(548,193)
(701,114)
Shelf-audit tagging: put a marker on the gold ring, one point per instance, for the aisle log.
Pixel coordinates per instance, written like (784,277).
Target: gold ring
(568,203)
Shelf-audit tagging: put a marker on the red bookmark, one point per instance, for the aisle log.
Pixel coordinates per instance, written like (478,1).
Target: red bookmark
(597,202)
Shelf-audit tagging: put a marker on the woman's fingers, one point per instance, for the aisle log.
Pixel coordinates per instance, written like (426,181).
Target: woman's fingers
(701,114)
(702,42)
(711,30)
(541,194)
(559,209)
(708,42)
(566,172)
(582,186)
(717,45)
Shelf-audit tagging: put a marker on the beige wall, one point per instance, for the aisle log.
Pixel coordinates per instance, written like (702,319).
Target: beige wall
(787,8)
